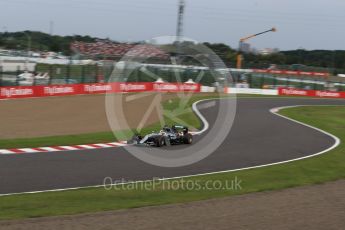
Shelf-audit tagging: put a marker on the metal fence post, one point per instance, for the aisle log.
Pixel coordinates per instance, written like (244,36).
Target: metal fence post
(82,74)
(287,81)
(249,80)
(0,76)
(262,81)
(17,75)
(96,74)
(50,73)
(138,74)
(34,80)
(68,73)
(169,73)
(301,83)
(274,81)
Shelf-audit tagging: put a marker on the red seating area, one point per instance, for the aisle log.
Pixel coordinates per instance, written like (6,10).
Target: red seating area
(111,49)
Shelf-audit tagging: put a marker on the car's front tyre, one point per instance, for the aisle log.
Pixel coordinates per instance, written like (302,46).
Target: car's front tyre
(160,141)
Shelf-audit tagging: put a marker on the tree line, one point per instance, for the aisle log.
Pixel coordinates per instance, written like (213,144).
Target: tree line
(331,60)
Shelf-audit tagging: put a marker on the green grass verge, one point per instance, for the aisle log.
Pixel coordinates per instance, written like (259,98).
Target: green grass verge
(327,167)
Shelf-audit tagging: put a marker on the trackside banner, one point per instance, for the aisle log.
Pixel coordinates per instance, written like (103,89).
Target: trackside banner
(290,72)
(97,88)
(310,93)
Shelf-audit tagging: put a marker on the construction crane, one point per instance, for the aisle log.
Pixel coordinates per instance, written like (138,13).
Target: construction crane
(242,40)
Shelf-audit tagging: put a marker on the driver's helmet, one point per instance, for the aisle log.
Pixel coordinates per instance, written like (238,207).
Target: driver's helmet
(166,129)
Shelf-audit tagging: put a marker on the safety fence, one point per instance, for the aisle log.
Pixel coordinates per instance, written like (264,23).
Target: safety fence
(309,81)
(59,74)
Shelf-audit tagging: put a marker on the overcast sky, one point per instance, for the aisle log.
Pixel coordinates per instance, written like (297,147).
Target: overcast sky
(309,24)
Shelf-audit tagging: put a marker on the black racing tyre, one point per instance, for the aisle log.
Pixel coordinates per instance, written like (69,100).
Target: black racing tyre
(160,141)
(188,138)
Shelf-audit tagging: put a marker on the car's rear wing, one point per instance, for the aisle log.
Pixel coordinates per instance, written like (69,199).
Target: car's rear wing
(184,128)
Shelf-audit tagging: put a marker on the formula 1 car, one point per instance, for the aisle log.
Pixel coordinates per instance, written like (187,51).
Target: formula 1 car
(167,136)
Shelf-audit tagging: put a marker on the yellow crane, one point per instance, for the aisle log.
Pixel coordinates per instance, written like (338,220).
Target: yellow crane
(242,40)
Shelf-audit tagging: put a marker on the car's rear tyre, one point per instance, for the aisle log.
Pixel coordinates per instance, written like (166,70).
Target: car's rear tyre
(160,141)
(188,138)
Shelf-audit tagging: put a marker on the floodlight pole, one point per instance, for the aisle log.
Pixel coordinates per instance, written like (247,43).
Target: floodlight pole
(179,31)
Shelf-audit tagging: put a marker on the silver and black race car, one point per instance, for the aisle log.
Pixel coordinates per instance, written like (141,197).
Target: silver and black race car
(167,136)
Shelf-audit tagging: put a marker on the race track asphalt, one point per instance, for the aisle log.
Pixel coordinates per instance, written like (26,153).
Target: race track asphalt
(257,137)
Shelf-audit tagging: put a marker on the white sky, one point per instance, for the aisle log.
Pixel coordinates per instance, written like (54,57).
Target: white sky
(309,24)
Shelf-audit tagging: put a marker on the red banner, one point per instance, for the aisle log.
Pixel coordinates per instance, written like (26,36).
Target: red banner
(17,92)
(290,72)
(174,87)
(97,88)
(310,93)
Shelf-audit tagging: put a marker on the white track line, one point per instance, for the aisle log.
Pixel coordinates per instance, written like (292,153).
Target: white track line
(273,111)
(202,118)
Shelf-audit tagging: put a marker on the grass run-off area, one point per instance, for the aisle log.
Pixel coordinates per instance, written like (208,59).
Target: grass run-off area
(327,167)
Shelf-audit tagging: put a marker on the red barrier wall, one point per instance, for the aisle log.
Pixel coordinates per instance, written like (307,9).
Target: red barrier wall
(310,93)
(97,88)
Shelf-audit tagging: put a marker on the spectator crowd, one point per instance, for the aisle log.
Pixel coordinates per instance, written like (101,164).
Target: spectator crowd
(108,49)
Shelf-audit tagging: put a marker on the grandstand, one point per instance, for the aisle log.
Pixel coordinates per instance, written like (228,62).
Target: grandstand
(112,50)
